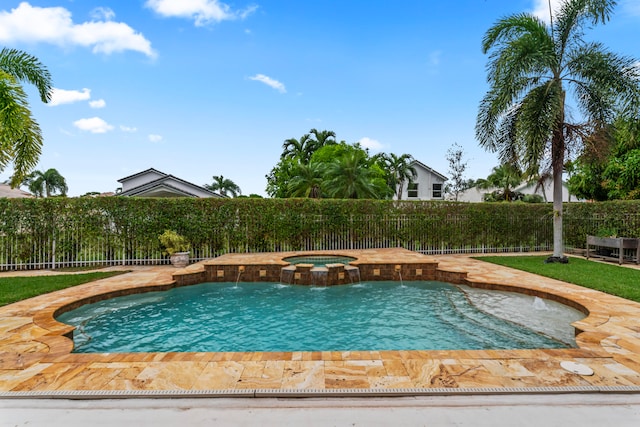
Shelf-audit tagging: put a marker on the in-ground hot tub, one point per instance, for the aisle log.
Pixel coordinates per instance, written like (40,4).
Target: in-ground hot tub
(319,260)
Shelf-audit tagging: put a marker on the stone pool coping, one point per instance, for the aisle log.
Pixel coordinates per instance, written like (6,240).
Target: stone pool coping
(36,358)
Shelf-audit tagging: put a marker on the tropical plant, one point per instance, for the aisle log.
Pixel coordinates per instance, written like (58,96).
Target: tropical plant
(349,177)
(321,138)
(47,183)
(20,134)
(532,67)
(224,186)
(504,178)
(399,170)
(300,150)
(307,180)
(614,174)
(172,242)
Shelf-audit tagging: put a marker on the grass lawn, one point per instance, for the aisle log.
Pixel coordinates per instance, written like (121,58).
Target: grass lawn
(14,289)
(609,278)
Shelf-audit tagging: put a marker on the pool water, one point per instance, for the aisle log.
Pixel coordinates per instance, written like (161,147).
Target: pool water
(319,260)
(251,317)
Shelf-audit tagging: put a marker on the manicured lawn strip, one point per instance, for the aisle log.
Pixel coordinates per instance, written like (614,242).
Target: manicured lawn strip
(609,278)
(14,289)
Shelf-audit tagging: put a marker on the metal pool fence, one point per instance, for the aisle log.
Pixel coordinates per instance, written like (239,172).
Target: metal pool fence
(38,235)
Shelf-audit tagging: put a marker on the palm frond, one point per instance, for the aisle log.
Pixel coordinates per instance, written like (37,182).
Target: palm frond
(27,68)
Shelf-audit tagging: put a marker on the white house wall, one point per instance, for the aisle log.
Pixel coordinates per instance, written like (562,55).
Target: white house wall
(425,180)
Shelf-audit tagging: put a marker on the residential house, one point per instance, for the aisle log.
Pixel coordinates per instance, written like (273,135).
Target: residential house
(13,193)
(153,183)
(428,184)
(545,191)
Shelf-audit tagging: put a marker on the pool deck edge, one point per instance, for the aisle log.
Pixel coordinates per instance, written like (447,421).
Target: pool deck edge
(35,358)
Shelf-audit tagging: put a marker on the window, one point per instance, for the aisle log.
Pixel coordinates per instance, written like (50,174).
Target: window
(437,191)
(412,189)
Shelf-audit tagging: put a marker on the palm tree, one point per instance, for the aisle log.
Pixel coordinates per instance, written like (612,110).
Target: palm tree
(399,170)
(349,177)
(45,184)
(20,135)
(307,180)
(300,150)
(322,138)
(532,67)
(223,186)
(505,177)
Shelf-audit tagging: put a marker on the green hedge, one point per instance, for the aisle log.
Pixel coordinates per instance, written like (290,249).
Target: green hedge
(121,228)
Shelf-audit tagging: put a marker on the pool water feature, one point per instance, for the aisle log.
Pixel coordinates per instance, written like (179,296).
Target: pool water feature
(251,317)
(319,260)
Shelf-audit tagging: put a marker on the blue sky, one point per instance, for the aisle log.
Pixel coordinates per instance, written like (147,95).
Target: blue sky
(203,87)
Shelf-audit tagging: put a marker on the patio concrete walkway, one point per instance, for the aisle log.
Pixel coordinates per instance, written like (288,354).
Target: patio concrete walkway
(477,411)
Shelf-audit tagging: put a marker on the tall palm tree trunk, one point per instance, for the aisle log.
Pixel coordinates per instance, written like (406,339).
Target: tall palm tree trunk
(557,160)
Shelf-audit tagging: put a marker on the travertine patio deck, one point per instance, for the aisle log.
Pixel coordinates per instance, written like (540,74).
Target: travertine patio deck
(36,359)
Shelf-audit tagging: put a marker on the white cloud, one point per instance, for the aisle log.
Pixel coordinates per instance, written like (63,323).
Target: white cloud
(54,25)
(103,13)
(62,96)
(203,12)
(541,8)
(269,82)
(371,144)
(124,128)
(98,103)
(155,138)
(93,125)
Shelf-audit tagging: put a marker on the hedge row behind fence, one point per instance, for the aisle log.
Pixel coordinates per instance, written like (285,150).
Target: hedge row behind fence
(38,233)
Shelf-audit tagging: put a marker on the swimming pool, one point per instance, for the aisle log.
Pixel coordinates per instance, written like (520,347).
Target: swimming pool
(319,260)
(252,317)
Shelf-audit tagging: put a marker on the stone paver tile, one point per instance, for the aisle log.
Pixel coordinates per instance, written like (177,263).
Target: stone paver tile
(171,376)
(219,376)
(341,375)
(12,378)
(303,375)
(51,378)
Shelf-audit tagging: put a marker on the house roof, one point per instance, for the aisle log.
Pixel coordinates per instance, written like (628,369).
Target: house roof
(13,193)
(144,172)
(428,169)
(164,186)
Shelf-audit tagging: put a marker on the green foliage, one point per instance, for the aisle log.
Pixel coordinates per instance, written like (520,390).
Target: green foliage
(224,186)
(14,289)
(127,229)
(616,173)
(47,183)
(532,68)
(504,178)
(612,279)
(532,198)
(173,242)
(457,166)
(330,170)
(20,134)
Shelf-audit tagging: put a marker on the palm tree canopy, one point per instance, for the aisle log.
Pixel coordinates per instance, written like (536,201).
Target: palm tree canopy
(20,134)
(47,183)
(300,150)
(307,180)
(349,177)
(532,68)
(399,170)
(224,186)
(505,177)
